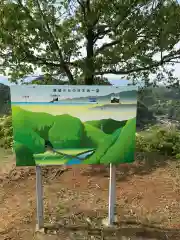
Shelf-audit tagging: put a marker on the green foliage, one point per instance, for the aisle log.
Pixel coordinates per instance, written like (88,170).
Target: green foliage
(143,144)
(157,103)
(162,139)
(24,156)
(145,115)
(48,34)
(6,132)
(158,110)
(66,132)
(173,110)
(161,101)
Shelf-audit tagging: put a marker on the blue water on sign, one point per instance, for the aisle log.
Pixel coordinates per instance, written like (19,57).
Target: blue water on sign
(85,155)
(81,156)
(73,161)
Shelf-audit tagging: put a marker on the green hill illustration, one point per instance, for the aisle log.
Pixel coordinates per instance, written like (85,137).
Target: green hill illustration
(45,139)
(107,125)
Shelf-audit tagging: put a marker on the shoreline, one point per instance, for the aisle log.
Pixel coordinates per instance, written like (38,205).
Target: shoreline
(84,112)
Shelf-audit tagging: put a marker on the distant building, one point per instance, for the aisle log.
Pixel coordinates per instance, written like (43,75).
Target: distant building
(54,100)
(115,99)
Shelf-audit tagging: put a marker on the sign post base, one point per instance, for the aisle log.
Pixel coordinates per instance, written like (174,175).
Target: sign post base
(39,199)
(112,195)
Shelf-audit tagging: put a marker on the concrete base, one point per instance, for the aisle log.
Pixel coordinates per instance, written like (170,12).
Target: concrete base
(39,230)
(105,222)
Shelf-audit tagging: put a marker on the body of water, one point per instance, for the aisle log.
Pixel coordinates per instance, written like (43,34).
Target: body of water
(78,160)
(73,161)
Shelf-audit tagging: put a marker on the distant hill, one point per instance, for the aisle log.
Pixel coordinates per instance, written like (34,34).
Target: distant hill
(116,148)
(107,125)
(4,99)
(144,116)
(163,93)
(132,95)
(129,94)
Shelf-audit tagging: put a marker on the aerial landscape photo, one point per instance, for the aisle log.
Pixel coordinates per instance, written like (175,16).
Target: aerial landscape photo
(66,125)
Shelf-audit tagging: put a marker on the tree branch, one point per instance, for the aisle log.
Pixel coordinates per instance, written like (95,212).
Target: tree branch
(174,61)
(48,62)
(114,25)
(65,67)
(106,45)
(166,59)
(51,38)
(115,42)
(124,72)
(83,8)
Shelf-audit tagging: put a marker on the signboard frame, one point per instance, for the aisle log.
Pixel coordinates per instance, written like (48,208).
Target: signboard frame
(112,178)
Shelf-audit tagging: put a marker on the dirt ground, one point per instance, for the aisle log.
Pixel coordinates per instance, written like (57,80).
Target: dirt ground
(76,201)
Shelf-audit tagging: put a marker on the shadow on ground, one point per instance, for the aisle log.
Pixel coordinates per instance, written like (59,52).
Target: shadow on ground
(88,225)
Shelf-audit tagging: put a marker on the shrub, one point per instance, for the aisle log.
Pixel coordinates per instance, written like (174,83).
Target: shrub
(165,140)
(6,132)
(142,145)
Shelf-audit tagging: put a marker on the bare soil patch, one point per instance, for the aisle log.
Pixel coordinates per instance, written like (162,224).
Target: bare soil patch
(76,201)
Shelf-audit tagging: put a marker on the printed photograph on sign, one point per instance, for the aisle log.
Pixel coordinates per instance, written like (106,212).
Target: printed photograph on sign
(67,125)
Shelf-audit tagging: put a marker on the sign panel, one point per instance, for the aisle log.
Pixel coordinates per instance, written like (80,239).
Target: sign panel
(56,125)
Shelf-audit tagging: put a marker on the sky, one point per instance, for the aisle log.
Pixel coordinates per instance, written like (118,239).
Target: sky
(41,93)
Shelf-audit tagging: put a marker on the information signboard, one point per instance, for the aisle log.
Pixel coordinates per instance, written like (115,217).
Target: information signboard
(67,125)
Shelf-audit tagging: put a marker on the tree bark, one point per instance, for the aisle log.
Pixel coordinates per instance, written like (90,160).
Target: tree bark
(89,62)
(69,74)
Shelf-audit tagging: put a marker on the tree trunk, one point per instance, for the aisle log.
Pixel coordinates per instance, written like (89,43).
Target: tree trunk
(69,75)
(89,62)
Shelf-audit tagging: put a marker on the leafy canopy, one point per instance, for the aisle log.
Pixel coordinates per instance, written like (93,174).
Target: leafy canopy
(83,39)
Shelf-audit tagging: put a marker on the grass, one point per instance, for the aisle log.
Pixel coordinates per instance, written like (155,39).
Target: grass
(51,162)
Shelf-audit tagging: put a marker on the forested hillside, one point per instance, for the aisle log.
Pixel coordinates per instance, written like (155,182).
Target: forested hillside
(163,102)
